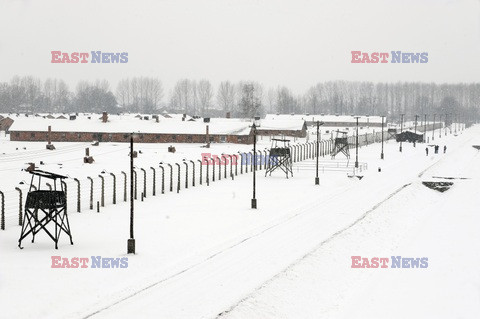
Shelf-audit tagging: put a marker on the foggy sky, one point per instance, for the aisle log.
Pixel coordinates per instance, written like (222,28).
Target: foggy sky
(295,43)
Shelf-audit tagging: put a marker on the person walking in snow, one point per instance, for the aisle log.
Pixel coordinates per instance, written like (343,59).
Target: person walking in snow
(426,150)
(444,149)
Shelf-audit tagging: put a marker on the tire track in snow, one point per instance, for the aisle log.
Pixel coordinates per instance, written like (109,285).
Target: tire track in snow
(332,237)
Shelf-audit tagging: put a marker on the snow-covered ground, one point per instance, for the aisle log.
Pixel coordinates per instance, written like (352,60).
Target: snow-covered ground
(204,253)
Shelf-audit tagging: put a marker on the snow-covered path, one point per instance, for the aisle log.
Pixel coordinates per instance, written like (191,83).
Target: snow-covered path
(199,257)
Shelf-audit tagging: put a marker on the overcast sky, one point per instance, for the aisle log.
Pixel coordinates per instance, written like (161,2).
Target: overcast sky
(296,43)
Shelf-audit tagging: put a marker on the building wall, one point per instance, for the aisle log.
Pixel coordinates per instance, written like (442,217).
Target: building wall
(347,124)
(5,124)
(125,137)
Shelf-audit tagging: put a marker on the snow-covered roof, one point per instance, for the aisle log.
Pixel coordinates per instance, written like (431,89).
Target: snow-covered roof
(324,118)
(281,124)
(128,124)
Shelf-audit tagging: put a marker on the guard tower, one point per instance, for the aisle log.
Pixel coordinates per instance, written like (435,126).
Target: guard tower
(280,157)
(45,209)
(341,145)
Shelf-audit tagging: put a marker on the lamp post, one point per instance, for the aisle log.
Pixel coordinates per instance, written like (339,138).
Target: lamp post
(401,131)
(356,143)
(381,154)
(317,180)
(131,240)
(254,200)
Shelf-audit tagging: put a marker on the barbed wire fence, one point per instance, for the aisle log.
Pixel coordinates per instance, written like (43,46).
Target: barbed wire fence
(93,193)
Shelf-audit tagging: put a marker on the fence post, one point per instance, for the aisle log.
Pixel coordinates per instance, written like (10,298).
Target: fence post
(163,179)
(252,157)
(114,188)
(144,182)
(193,173)
(200,166)
(2,222)
(154,180)
(171,177)
(20,217)
(124,186)
(78,194)
(186,174)
(178,178)
(91,192)
(208,181)
(66,195)
(219,168)
(225,163)
(213,171)
(241,163)
(102,197)
(135,183)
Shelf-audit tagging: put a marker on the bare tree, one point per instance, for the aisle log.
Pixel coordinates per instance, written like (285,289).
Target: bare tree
(226,96)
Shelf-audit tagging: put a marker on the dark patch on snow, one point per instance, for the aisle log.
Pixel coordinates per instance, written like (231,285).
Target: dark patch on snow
(438,186)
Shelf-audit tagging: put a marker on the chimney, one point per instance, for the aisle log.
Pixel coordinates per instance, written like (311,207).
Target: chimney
(208,137)
(49,135)
(104,117)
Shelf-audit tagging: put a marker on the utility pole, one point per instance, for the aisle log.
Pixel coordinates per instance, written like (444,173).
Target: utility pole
(254,200)
(424,127)
(433,133)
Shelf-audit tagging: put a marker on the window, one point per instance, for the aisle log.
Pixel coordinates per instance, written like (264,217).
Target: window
(189,138)
(32,134)
(174,137)
(223,138)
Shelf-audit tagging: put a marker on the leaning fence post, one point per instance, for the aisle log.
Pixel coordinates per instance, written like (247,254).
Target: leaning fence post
(135,183)
(144,182)
(163,179)
(154,180)
(178,178)
(193,173)
(2,222)
(49,186)
(186,174)
(171,177)
(78,194)
(124,186)
(102,197)
(208,181)
(200,167)
(114,188)
(20,220)
(91,192)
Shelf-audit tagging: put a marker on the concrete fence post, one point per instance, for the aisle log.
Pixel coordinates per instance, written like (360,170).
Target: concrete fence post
(135,184)
(178,178)
(193,173)
(20,215)
(171,177)
(49,186)
(200,167)
(163,179)
(144,182)
(2,218)
(154,181)
(114,188)
(66,195)
(186,174)
(124,186)
(78,195)
(102,197)
(91,192)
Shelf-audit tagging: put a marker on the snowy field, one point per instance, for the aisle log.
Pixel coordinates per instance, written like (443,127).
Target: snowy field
(203,253)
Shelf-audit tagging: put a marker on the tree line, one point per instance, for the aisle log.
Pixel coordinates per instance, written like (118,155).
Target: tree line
(242,99)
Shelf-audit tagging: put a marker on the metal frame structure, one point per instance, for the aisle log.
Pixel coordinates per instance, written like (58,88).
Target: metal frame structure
(280,157)
(53,205)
